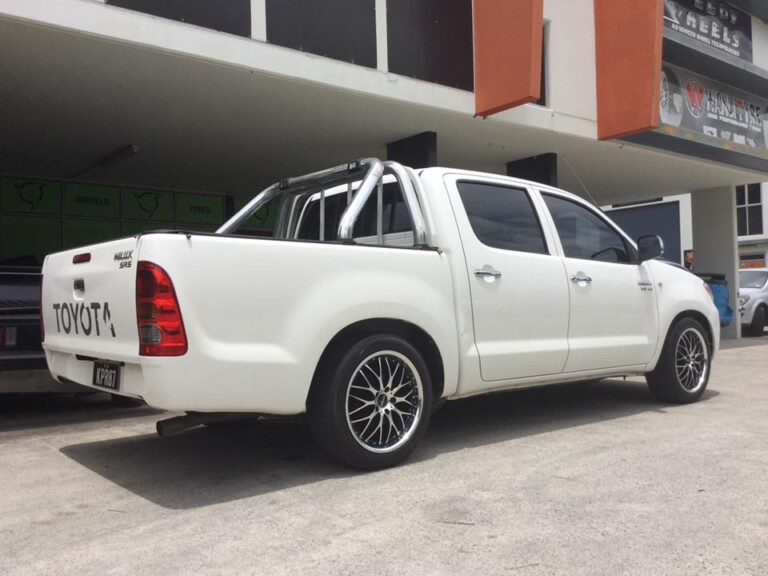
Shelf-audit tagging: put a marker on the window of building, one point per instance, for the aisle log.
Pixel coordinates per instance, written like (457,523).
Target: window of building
(542,101)
(232,16)
(341,29)
(749,210)
(431,40)
(752,260)
(502,217)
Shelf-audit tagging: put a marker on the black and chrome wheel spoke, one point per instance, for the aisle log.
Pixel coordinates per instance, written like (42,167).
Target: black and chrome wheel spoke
(691,360)
(383,401)
(363,406)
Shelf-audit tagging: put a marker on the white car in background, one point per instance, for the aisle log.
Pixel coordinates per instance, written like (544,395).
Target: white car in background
(753,300)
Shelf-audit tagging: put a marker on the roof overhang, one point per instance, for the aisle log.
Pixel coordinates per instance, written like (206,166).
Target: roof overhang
(214,112)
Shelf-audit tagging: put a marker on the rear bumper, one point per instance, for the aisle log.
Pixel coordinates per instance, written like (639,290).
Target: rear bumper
(181,384)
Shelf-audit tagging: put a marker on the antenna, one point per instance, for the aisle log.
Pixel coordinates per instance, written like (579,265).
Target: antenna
(589,196)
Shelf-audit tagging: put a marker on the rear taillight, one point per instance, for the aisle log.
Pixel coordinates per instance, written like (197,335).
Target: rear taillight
(161,329)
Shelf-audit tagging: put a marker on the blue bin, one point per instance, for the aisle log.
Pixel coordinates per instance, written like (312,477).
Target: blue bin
(719,286)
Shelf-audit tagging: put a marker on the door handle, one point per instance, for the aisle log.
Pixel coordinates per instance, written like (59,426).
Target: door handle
(580,277)
(487,271)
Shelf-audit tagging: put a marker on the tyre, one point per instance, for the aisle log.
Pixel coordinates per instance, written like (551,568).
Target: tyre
(758,322)
(371,402)
(682,373)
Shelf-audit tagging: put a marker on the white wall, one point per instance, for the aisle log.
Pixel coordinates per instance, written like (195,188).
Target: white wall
(760,43)
(570,57)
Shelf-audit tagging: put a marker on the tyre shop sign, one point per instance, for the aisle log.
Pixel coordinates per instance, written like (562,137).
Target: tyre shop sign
(711,22)
(697,108)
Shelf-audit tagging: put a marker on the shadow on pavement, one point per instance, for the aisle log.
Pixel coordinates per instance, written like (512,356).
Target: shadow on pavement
(483,420)
(207,466)
(31,411)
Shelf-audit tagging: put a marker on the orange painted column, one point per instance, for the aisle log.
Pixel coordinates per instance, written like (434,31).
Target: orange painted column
(628,41)
(508,36)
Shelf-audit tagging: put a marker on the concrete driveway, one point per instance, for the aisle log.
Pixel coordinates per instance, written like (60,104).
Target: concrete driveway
(584,479)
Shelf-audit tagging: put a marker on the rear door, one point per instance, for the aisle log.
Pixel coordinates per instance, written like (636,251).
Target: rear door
(518,286)
(613,315)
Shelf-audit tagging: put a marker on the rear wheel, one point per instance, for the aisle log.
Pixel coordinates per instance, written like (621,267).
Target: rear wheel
(682,373)
(371,403)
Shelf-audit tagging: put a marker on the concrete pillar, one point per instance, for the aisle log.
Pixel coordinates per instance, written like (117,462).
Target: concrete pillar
(541,169)
(419,151)
(715,242)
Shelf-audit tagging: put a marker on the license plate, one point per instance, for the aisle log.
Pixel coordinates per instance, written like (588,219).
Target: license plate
(106,375)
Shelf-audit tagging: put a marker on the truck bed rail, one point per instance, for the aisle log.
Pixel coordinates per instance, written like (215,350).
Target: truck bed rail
(368,172)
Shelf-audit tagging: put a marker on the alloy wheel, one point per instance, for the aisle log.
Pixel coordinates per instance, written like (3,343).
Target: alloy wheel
(692,360)
(384,401)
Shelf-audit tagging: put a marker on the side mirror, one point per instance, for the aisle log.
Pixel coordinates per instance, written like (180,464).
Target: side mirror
(650,247)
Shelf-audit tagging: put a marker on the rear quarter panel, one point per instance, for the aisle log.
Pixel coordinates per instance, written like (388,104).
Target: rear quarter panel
(259,313)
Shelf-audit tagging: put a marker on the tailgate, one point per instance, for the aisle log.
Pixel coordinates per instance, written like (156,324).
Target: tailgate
(89,303)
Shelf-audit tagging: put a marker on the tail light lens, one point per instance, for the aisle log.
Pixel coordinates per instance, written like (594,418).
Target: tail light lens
(161,328)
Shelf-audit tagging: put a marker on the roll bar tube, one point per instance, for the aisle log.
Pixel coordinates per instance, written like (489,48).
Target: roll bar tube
(343,174)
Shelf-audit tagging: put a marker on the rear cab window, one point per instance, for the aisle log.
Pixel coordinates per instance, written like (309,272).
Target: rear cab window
(502,217)
(396,222)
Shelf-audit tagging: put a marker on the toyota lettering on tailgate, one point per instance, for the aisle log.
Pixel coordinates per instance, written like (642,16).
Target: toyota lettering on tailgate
(84,318)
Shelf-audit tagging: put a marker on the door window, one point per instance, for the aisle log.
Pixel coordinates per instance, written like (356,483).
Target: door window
(502,217)
(584,234)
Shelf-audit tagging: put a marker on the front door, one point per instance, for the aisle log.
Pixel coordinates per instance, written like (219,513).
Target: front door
(613,315)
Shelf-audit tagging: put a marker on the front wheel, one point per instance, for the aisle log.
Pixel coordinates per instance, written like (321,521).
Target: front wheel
(682,374)
(371,403)
(758,322)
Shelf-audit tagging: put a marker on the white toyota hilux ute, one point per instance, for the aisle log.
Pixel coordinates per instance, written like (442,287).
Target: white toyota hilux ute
(382,291)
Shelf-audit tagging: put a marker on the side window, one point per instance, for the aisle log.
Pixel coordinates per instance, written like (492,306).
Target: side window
(502,217)
(584,234)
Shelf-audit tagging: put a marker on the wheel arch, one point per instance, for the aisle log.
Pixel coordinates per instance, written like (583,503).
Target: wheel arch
(701,319)
(414,334)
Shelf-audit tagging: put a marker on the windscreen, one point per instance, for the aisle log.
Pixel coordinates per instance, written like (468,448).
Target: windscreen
(752,279)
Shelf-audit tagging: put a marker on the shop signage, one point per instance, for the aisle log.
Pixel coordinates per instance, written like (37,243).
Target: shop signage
(711,22)
(31,196)
(200,209)
(697,108)
(91,200)
(264,219)
(150,205)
